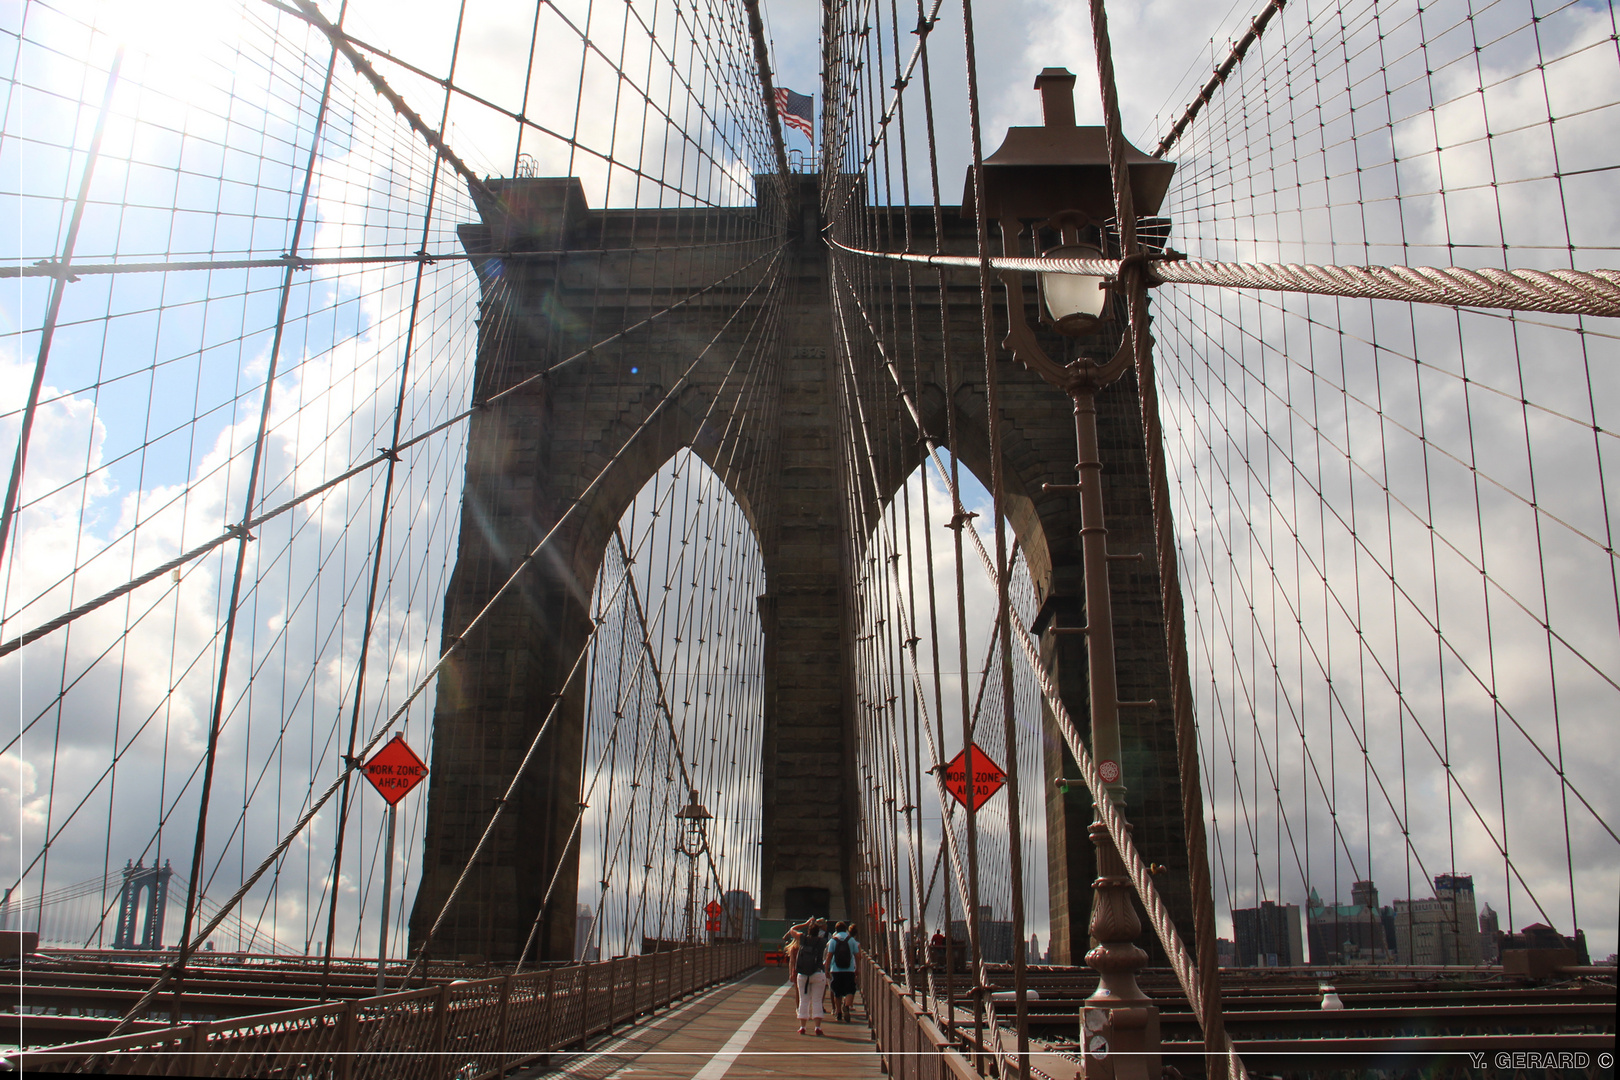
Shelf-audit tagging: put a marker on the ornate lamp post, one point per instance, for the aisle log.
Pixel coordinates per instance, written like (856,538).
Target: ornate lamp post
(1057,178)
(692,840)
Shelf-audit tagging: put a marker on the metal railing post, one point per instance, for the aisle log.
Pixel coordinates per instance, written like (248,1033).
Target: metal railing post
(550,1040)
(441,1019)
(503,1030)
(347,1038)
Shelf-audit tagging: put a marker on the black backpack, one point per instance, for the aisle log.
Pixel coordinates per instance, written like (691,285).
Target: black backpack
(810,954)
(841,954)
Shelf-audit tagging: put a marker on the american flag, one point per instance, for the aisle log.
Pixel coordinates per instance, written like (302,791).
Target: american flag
(796,110)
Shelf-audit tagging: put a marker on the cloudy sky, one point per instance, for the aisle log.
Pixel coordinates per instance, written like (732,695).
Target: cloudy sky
(1316,446)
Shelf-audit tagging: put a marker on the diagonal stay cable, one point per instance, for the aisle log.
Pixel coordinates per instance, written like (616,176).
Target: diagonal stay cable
(634,598)
(13,496)
(455,88)
(1182,962)
(661,706)
(1257,27)
(1471,667)
(573,835)
(381,457)
(925,26)
(663,701)
(189,947)
(1237,275)
(585,798)
(964,869)
(534,744)
(501,804)
(340,41)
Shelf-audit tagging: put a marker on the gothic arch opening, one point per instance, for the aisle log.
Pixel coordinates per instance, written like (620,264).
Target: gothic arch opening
(674,699)
(939,680)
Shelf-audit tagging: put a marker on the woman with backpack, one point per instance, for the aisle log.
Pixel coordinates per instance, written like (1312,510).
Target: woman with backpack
(842,948)
(809,970)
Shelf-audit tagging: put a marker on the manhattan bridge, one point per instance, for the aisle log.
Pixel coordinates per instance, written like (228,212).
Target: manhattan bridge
(511,507)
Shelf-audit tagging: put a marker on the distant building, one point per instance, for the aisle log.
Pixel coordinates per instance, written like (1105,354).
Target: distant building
(1268,936)
(584,927)
(1443,930)
(1035,949)
(995,936)
(1489,930)
(996,941)
(739,919)
(1225,953)
(1541,936)
(1350,933)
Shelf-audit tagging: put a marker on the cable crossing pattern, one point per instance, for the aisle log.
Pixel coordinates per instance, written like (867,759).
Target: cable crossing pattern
(494,380)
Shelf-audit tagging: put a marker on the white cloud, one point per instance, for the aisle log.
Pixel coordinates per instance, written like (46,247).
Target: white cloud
(1275,425)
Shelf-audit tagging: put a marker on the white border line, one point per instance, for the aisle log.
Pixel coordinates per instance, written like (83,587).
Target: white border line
(722,1061)
(581,1058)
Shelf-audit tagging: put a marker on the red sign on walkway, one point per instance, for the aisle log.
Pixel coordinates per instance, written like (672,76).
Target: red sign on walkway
(987,776)
(712,908)
(395,770)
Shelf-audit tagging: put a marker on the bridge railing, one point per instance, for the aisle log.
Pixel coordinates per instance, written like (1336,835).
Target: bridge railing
(912,1045)
(463,1030)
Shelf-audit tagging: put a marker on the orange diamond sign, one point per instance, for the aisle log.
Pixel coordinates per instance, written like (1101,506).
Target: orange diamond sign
(395,770)
(987,776)
(713,908)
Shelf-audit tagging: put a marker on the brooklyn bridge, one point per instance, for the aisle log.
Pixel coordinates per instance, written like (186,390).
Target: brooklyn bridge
(520,512)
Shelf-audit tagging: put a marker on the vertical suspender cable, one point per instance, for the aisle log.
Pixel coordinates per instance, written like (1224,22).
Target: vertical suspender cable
(1220,1057)
(1003,650)
(382,534)
(243,538)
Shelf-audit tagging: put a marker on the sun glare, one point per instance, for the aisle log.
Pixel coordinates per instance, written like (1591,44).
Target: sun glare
(174,32)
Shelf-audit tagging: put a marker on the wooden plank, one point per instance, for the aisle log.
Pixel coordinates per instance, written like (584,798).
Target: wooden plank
(683,1042)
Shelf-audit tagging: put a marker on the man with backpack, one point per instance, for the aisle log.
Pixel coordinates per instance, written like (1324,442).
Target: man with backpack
(809,969)
(842,948)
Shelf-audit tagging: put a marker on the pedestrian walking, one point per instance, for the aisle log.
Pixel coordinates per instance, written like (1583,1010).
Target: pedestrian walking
(810,970)
(842,948)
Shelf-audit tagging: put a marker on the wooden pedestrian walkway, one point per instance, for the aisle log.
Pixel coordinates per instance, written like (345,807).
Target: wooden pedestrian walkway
(742,1030)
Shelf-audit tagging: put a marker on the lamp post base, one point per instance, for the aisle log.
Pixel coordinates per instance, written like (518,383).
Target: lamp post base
(1119,1025)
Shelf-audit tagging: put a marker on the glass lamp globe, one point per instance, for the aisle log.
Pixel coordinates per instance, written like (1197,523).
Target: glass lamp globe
(1075,303)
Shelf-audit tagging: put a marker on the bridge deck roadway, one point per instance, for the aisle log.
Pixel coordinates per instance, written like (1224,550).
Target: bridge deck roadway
(741,1030)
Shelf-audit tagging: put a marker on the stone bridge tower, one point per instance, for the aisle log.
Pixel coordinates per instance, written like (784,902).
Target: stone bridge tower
(536,454)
